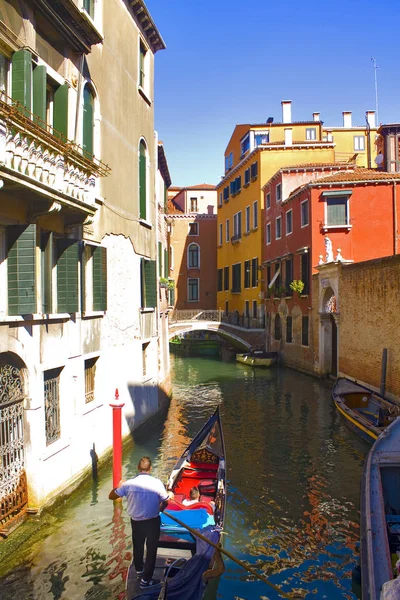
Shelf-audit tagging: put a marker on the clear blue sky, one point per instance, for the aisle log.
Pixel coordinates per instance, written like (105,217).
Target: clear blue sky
(230,62)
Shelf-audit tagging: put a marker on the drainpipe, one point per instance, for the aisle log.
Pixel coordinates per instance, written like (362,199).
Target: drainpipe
(394,218)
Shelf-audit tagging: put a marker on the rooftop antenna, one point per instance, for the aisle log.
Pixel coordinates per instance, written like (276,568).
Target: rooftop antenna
(376,89)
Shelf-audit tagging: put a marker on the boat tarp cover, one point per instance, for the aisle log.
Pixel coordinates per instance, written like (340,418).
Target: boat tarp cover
(196,518)
(188,583)
(345,386)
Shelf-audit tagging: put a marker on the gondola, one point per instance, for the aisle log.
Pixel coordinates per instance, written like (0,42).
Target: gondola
(257,358)
(185,563)
(380,517)
(364,411)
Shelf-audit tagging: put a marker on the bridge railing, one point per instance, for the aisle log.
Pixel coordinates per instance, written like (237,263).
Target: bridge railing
(230,318)
(195,315)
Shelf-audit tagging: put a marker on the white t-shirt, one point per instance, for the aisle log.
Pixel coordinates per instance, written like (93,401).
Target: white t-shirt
(189,502)
(143,494)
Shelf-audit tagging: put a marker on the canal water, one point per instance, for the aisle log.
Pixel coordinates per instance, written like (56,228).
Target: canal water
(293,494)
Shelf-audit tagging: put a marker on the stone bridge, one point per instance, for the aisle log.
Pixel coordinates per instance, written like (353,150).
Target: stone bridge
(241,332)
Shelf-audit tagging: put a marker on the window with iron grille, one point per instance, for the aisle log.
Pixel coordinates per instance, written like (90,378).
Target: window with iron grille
(247,273)
(277,328)
(90,369)
(254,272)
(304,331)
(52,405)
(289,330)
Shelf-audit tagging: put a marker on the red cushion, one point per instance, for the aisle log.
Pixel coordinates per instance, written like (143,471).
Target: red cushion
(173,505)
(204,466)
(206,499)
(178,498)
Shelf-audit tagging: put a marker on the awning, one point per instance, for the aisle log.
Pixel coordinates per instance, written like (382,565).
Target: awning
(275,277)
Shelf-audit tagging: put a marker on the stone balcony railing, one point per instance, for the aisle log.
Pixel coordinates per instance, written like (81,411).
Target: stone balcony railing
(27,148)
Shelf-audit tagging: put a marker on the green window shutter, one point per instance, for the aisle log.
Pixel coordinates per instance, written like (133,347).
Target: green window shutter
(159,259)
(21,269)
(39,92)
(60,112)
(88,111)
(142,182)
(67,276)
(166,265)
(22,78)
(99,278)
(150,285)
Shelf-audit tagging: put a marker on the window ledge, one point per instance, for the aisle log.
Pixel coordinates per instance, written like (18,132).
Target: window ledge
(90,407)
(246,233)
(236,291)
(145,223)
(254,178)
(246,185)
(325,228)
(219,246)
(34,317)
(89,314)
(144,95)
(255,229)
(147,310)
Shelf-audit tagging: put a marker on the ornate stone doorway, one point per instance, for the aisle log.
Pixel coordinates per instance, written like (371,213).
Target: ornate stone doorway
(13,482)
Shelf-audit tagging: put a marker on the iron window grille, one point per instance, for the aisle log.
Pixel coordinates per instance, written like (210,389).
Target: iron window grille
(90,370)
(52,405)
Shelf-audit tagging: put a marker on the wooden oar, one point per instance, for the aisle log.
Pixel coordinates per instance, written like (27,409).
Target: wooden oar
(229,555)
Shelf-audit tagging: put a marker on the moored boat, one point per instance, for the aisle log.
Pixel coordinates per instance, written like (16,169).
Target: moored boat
(380,517)
(185,562)
(257,358)
(364,411)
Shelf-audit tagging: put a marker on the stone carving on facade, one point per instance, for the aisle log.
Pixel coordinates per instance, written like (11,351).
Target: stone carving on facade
(328,250)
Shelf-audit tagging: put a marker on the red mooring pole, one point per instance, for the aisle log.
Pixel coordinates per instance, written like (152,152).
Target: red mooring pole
(117,440)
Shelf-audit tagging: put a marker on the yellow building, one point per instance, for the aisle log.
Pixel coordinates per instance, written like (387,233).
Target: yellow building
(254,153)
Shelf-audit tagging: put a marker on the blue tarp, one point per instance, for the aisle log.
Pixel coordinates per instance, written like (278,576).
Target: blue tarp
(196,518)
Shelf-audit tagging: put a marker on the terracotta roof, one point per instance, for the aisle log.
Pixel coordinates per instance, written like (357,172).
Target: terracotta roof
(311,167)
(358,175)
(173,208)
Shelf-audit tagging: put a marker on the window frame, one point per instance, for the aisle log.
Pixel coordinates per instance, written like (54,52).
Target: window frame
(311,134)
(278,192)
(268,200)
(255,215)
(289,338)
(221,232)
(237,226)
(345,201)
(190,288)
(289,212)
(193,250)
(226,279)
(268,234)
(304,204)
(236,270)
(356,143)
(278,220)
(246,177)
(193,225)
(247,219)
(247,274)
(305,334)
(193,205)
(227,231)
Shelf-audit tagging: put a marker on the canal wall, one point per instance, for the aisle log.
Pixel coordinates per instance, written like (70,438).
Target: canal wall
(370,321)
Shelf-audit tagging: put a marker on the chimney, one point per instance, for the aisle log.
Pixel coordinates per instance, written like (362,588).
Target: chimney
(288,137)
(286,111)
(370,115)
(316,116)
(346,118)
(210,209)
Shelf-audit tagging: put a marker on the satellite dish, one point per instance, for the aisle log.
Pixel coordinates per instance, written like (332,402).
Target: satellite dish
(270,120)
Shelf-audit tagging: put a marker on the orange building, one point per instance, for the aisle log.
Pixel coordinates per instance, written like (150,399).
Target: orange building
(192,224)
(345,217)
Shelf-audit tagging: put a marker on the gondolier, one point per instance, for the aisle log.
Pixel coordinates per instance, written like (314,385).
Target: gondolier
(146,497)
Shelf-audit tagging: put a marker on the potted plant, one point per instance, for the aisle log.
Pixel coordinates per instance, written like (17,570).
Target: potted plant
(297,286)
(163,282)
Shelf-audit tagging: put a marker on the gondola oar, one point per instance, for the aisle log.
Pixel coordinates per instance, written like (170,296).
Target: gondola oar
(229,555)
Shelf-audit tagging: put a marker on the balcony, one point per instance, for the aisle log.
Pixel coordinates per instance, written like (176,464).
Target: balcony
(236,238)
(43,162)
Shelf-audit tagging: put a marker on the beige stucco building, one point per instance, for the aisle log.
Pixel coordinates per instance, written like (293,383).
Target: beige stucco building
(78,238)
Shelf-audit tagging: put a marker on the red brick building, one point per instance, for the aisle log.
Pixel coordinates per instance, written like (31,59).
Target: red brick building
(348,216)
(192,223)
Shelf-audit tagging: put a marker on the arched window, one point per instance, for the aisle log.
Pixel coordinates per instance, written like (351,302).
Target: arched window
(142,180)
(193,256)
(278,328)
(88,121)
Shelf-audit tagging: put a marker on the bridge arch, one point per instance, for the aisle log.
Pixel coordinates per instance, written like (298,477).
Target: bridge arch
(235,338)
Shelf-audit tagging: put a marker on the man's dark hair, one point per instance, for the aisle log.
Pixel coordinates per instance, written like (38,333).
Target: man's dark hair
(144,464)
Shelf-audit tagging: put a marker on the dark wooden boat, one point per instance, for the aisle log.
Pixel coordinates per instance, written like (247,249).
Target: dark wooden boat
(364,411)
(185,563)
(380,517)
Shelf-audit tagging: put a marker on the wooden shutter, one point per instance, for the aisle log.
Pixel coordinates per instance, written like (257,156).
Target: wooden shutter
(67,276)
(142,182)
(60,112)
(99,278)
(150,287)
(88,110)
(166,265)
(22,78)
(21,269)
(160,259)
(39,93)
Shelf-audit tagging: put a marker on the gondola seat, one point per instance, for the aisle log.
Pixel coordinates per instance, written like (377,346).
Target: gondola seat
(208,487)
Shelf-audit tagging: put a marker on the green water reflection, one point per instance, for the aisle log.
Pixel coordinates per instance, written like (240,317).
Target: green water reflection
(293,476)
